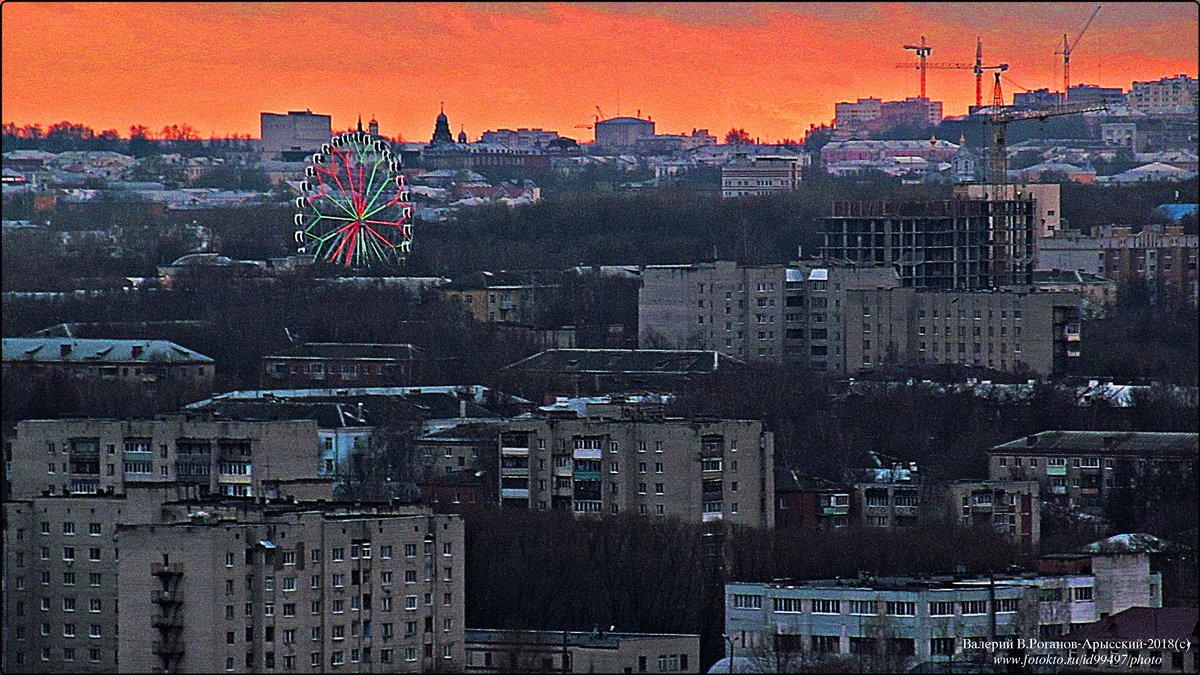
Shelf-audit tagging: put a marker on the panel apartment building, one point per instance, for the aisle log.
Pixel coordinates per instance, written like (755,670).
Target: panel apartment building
(106,456)
(847,318)
(631,462)
(1081,469)
(211,584)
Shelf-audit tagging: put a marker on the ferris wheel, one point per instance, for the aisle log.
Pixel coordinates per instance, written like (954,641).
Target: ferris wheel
(354,207)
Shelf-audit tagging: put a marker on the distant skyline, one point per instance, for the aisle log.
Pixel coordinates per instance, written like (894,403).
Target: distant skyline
(771,68)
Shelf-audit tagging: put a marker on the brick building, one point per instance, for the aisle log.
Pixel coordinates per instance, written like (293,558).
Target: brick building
(340,364)
(492,650)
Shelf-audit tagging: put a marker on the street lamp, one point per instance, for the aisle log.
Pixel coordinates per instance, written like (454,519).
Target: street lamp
(730,641)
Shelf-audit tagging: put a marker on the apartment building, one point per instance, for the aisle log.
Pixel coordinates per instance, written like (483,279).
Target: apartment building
(252,587)
(762,175)
(963,243)
(771,313)
(1167,95)
(336,364)
(1163,257)
(129,372)
(1009,329)
(1081,469)
(1011,508)
(491,650)
(77,456)
(61,560)
(905,621)
(640,463)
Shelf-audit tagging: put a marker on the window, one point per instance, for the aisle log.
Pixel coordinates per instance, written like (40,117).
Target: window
(941,609)
(94,554)
(787,605)
(1007,605)
(902,608)
(747,601)
(94,605)
(68,604)
(96,631)
(974,607)
(658,467)
(94,579)
(1082,594)
(94,529)
(337,554)
(823,644)
(864,607)
(826,606)
(410,550)
(338,606)
(410,602)
(941,646)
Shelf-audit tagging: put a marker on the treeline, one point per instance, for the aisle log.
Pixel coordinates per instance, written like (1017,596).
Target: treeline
(555,571)
(140,140)
(823,430)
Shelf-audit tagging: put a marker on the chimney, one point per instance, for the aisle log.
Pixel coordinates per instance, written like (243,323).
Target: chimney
(137,351)
(1031,440)
(64,349)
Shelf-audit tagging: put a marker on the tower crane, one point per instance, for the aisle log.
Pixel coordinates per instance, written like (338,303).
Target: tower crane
(976,67)
(1067,49)
(922,51)
(600,116)
(997,167)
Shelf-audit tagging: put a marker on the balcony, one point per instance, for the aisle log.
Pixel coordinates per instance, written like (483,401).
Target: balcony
(515,472)
(168,647)
(564,471)
(1056,470)
(1058,489)
(234,479)
(588,453)
(587,475)
(171,621)
(514,493)
(835,510)
(514,452)
(166,569)
(161,597)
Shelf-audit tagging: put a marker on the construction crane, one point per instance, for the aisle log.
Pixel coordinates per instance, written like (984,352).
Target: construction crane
(976,67)
(1068,49)
(997,167)
(922,51)
(600,116)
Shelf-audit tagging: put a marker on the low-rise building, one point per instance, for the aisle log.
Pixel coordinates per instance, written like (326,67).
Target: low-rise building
(1165,640)
(492,650)
(1084,469)
(810,503)
(341,364)
(762,175)
(136,370)
(894,623)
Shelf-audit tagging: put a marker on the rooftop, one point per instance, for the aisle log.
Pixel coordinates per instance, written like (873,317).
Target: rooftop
(588,639)
(349,350)
(1105,442)
(655,361)
(1142,623)
(75,350)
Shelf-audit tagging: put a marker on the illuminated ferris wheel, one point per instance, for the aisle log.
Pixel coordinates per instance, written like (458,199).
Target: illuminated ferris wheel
(354,207)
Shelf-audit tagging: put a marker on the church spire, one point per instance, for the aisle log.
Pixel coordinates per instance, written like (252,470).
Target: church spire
(360,123)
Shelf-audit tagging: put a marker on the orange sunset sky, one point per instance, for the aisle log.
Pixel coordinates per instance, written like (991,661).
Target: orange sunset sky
(772,68)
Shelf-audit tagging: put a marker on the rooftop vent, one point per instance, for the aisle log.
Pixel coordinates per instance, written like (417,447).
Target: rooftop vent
(1031,440)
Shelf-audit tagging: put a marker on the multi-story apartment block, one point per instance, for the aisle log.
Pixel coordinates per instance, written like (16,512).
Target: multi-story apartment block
(294,135)
(1011,329)
(285,587)
(810,503)
(107,456)
(491,650)
(640,463)
(762,175)
(962,243)
(1081,469)
(61,558)
(904,621)
(771,313)
(1011,508)
(1167,95)
(1163,257)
